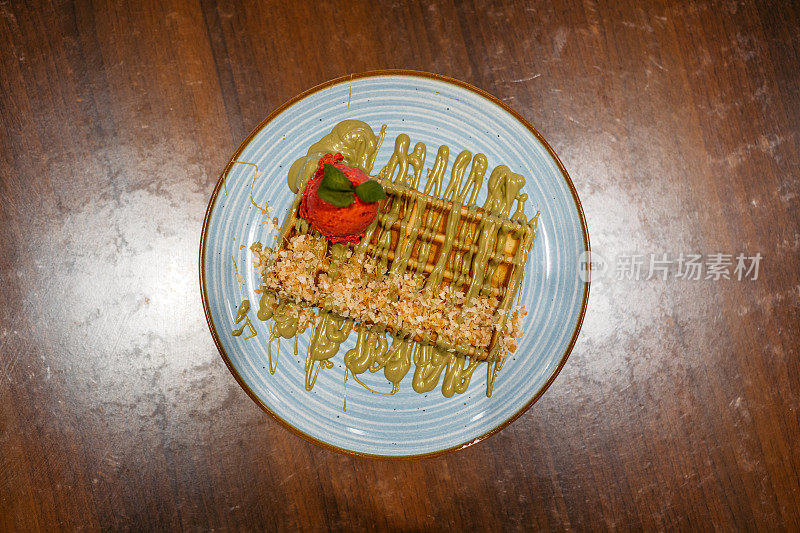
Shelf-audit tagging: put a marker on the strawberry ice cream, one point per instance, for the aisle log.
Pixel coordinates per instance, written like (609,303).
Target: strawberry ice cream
(337,224)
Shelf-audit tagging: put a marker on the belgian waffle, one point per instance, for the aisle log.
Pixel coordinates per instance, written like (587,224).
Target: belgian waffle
(452,246)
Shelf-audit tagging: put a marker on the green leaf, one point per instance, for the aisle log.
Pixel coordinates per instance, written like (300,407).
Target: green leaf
(335,180)
(370,191)
(336,198)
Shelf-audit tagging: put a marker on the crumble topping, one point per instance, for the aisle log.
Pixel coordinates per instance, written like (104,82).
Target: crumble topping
(355,286)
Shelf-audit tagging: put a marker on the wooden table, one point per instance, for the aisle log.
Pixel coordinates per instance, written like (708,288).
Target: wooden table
(680,125)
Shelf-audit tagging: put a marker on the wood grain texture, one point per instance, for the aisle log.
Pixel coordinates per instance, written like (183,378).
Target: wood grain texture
(678,122)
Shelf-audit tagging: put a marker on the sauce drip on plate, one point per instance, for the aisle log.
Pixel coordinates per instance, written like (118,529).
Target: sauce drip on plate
(393,354)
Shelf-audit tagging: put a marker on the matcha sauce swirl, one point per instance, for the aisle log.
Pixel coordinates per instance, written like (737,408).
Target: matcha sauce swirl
(463,224)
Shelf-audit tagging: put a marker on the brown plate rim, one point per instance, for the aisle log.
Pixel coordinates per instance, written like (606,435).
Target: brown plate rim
(267,120)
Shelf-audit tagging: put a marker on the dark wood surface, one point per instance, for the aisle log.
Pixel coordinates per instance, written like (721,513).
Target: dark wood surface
(680,125)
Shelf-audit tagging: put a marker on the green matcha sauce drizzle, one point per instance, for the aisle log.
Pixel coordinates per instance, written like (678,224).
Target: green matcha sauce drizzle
(481,235)
(244,308)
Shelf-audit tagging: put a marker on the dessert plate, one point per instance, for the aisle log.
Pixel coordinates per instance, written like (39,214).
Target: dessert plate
(434,110)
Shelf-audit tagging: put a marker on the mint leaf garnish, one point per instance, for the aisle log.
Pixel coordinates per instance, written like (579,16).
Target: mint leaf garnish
(336,188)
(335,180)
(336,198)
(370,191)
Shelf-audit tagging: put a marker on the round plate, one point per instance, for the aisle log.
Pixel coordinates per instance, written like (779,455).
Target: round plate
(434,110)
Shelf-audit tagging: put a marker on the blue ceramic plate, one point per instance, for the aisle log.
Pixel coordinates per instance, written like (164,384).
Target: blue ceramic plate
(434,110)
